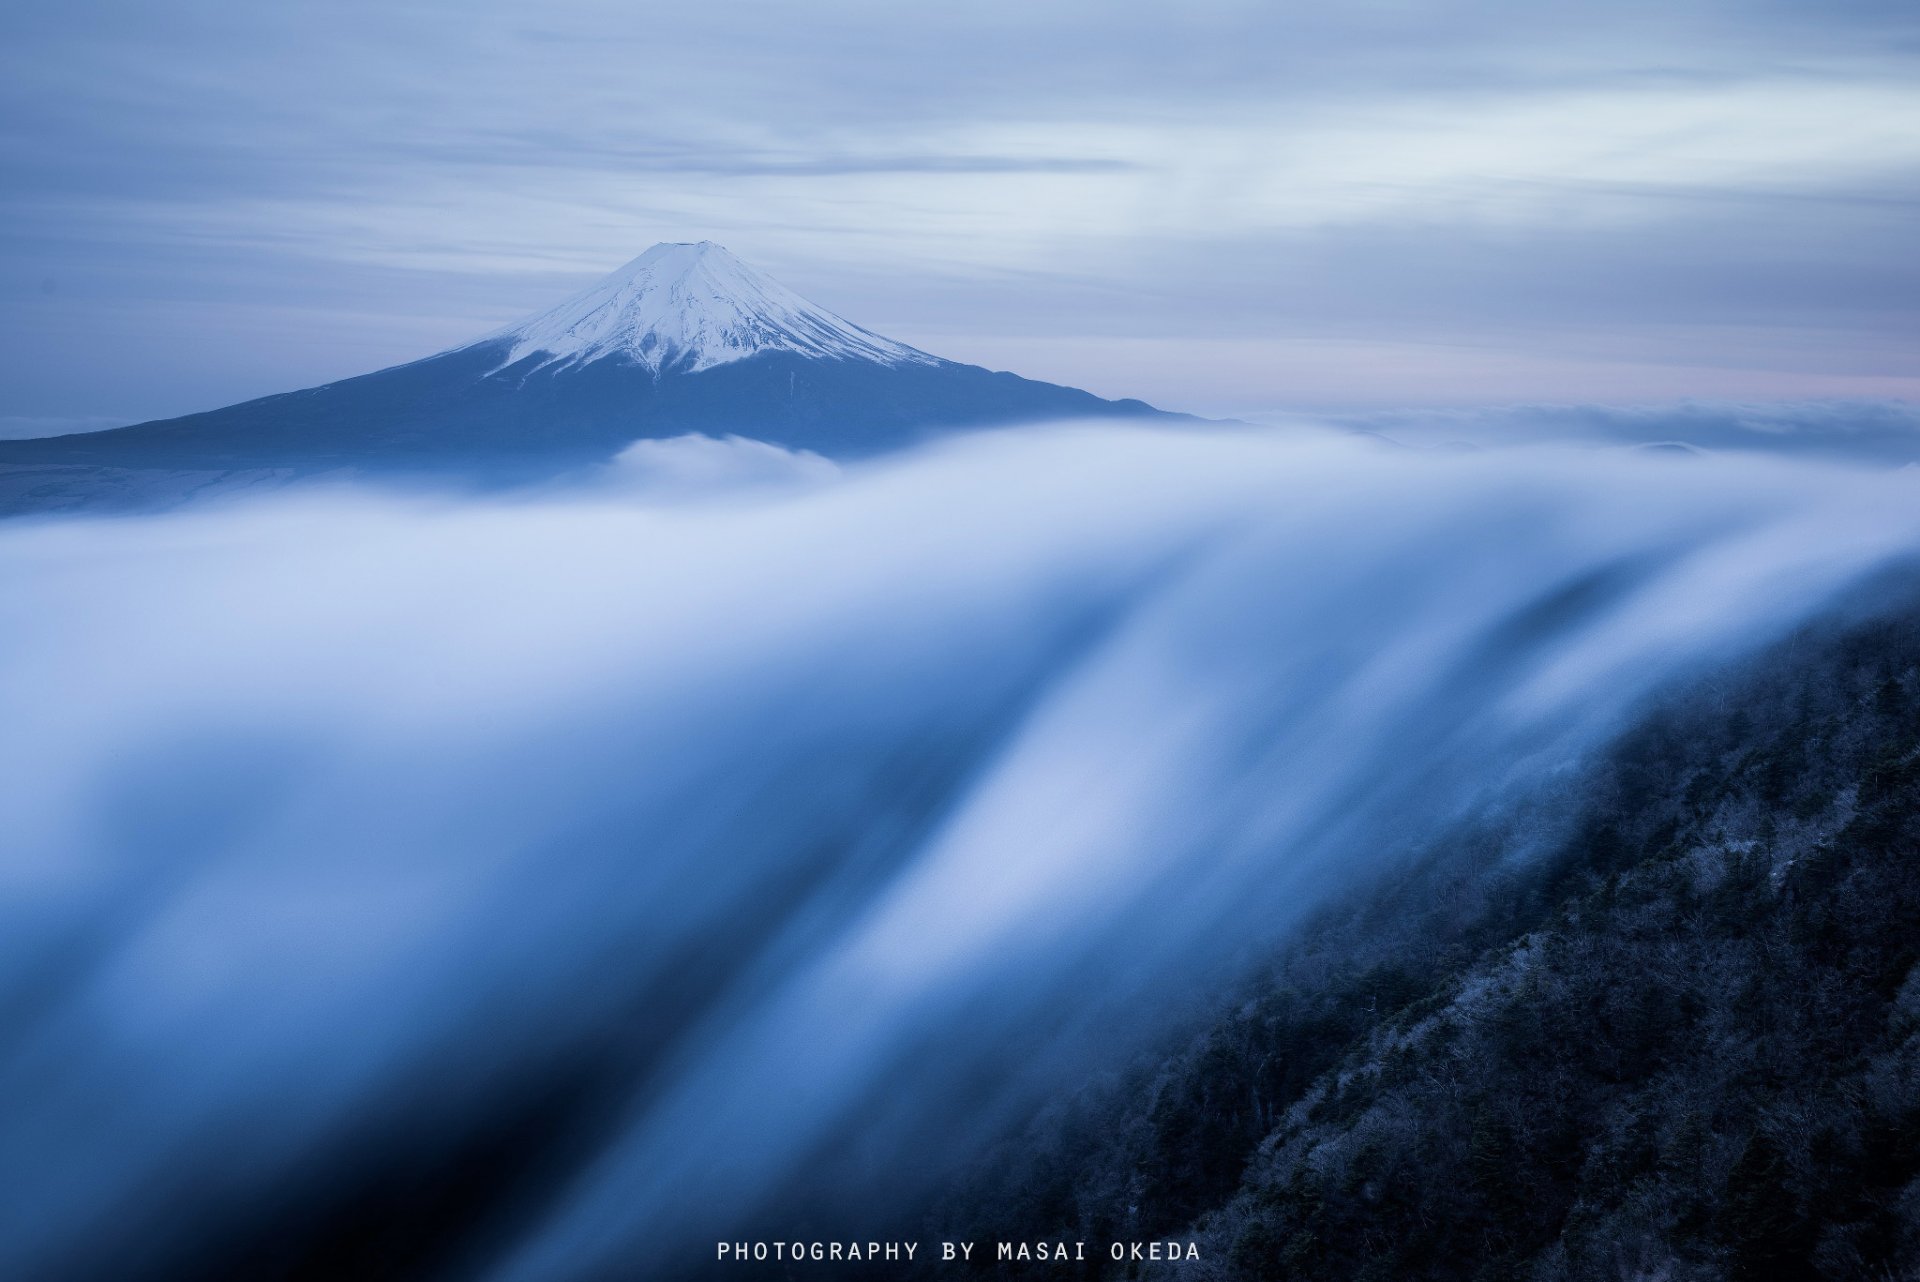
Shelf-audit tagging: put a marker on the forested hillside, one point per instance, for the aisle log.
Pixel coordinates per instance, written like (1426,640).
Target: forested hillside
(1659,1021)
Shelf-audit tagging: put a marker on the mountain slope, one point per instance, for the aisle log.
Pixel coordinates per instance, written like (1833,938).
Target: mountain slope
(1664,1024)
(686,338)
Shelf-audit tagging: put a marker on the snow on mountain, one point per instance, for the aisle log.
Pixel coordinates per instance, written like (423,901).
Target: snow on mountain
(566,390)
(690,307)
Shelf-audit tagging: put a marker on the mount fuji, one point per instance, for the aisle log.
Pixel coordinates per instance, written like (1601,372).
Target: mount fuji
(686,338)
(688,308)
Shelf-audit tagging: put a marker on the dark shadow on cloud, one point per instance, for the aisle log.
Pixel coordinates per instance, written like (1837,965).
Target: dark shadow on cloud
(931,164)
(588,154)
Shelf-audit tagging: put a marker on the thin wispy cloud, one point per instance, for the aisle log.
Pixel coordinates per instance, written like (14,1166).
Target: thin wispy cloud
(219,203)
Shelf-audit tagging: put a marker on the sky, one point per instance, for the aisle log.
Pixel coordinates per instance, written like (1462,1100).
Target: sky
(1253,209)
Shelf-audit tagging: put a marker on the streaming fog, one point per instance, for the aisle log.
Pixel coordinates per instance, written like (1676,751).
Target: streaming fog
(737,828)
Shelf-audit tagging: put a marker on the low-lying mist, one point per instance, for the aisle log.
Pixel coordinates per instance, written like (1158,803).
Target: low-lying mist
(633,848)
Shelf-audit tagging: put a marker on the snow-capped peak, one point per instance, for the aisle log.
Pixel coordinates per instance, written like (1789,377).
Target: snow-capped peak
(691,307)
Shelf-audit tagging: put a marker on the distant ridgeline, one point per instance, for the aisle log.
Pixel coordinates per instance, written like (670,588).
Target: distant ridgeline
(1663,1023)
(684,339)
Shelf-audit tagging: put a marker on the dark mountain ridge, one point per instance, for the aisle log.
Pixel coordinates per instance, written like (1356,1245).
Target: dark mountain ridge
(1660,1021)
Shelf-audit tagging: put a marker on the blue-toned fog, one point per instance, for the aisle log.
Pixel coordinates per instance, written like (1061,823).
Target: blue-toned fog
(819,818)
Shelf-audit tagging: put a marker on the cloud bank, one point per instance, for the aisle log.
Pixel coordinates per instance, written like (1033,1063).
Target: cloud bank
(690,856)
